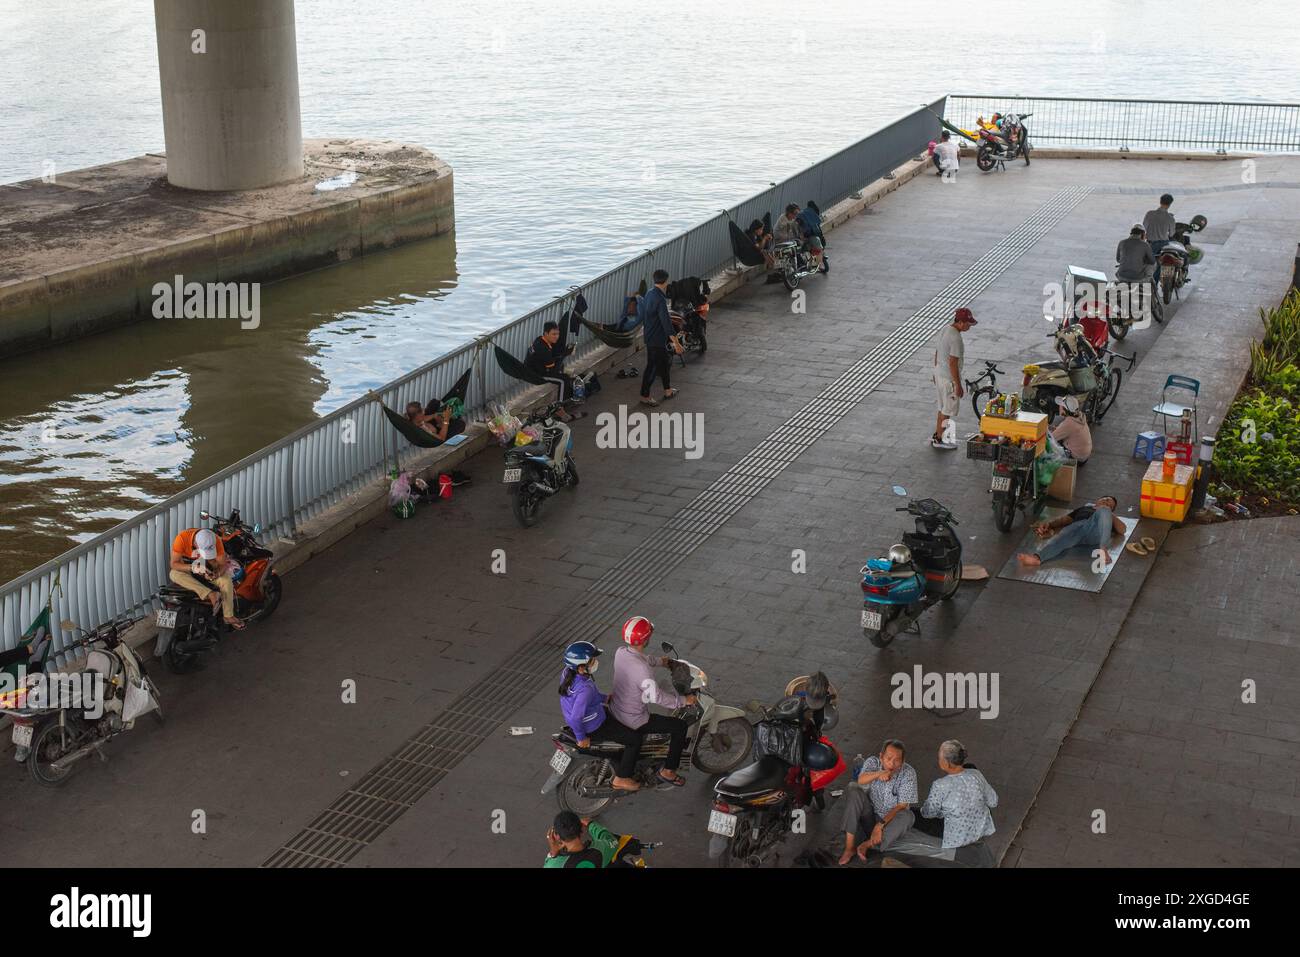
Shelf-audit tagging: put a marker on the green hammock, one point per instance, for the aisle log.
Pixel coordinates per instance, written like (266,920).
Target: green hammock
(608,335)
(516,369)
(418,436)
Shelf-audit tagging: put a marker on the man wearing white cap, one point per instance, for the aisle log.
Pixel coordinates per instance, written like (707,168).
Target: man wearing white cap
(198,551)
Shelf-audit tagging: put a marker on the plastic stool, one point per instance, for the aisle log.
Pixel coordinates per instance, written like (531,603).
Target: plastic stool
(1183,450)
(1149,444)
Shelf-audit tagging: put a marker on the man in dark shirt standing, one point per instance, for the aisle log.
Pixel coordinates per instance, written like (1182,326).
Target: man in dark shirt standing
(546,358)
(659,338)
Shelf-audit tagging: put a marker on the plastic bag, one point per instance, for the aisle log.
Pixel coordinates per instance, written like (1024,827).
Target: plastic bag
(503,424)
(1049,463)
(138,701)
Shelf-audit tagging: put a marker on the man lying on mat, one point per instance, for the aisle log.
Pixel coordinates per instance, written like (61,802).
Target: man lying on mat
(1086,525)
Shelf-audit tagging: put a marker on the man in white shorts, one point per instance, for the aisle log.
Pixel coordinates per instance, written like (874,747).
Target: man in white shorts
(948,353)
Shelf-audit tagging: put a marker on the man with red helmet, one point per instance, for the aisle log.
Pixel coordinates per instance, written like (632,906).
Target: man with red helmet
(635,690)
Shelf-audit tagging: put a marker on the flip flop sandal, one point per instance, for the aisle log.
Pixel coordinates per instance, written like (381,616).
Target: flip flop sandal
(1136,548)
(670,394)
(649,402)
(677,782)
(1149,543)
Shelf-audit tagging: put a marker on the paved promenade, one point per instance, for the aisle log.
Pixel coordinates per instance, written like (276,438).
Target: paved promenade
(809,421)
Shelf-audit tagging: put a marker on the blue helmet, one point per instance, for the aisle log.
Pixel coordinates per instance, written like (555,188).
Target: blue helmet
(579,653)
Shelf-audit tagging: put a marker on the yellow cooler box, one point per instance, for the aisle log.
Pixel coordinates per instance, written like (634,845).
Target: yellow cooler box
(1167,500)
(1025,425)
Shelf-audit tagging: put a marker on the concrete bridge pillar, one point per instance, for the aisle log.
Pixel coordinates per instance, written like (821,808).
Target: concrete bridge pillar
(229,77)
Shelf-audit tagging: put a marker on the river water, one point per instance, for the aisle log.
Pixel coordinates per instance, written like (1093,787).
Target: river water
(580,134)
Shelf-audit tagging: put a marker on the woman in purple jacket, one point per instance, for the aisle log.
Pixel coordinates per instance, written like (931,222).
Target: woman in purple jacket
(584,710)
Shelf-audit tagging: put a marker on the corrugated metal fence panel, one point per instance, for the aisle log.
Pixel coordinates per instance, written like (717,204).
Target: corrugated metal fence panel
(321,464)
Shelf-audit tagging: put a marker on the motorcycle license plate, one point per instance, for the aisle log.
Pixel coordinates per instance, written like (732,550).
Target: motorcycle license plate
(167,618)
(22,735)
(722,823)
(513,475)
(1002,483)
(560,761)
(871,619)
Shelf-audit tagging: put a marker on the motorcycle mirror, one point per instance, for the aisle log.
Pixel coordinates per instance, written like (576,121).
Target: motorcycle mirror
(257,528)
(204,515)
(899,490)
(668,647)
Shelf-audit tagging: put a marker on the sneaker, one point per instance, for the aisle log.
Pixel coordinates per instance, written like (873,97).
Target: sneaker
(941,444)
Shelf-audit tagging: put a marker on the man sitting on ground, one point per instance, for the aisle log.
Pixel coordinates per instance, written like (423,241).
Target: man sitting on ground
(198,551)
(876,802)
(1090,525)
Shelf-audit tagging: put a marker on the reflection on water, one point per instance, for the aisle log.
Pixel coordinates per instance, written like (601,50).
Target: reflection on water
(580,134)
(94,431)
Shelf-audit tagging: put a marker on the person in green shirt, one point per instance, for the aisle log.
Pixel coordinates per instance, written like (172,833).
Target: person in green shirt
(568,849)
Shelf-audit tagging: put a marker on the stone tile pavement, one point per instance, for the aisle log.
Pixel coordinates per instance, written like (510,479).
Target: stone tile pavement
(410,610)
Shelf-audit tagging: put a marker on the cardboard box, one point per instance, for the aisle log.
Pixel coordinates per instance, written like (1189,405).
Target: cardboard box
(1062,486)
(1167,500)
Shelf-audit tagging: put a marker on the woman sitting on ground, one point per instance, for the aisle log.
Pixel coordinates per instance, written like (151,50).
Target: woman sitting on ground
(1072,431)
(439,424)
(762,240)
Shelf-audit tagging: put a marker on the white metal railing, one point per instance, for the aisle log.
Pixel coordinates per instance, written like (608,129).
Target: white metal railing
(300,476)
(1191,125)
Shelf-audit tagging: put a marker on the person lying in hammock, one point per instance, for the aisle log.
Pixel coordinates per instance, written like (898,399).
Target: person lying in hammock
(437,422)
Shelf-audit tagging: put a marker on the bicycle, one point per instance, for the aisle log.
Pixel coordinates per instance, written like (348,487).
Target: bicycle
(980,394)
(1103,397)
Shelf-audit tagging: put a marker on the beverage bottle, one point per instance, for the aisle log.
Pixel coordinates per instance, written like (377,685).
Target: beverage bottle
(1171,461)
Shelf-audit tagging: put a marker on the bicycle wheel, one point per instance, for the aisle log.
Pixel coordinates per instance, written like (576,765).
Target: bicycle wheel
(1116,380)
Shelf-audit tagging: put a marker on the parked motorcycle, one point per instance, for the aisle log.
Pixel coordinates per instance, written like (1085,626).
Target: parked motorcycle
(1177,255)
(718,740)
(794,263)
(536,471)
(1014,485)
(754,808)
(188,625)
(921,571)
(1077,372)
(52,736)
(689,311)
(1009,141)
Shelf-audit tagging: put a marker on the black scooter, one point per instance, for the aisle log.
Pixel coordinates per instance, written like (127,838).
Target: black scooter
(923,570)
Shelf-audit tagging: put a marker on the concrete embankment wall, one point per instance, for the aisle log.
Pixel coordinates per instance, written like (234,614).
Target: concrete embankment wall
(82,253)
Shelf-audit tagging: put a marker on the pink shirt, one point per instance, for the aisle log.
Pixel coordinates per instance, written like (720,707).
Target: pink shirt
(635,688)
(1075,435)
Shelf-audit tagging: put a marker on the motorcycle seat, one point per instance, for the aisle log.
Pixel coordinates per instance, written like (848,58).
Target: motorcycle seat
(178,592)
(766,774)
(566,735)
